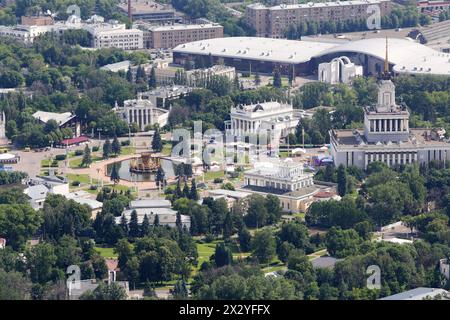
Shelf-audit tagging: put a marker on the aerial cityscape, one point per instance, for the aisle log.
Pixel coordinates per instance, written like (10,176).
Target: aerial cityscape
(192,150)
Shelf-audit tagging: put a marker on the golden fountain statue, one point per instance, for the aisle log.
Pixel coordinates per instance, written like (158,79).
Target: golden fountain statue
(146,163)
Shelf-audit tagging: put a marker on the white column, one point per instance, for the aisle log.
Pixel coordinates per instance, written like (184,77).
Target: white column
(404,158)
(385,125)
(365,160)
(382,157)
(388,159)
(371,157)
(415,157)
(409,157)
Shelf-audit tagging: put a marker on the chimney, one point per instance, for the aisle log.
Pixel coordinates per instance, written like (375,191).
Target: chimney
(129,10)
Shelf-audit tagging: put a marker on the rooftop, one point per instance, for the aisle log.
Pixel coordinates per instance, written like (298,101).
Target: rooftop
(37,192)
(150,203)
(355,138)
(181,27)
(256,48)
(60,118)
(407,55)
(417,294)
(315,4)
(301,193)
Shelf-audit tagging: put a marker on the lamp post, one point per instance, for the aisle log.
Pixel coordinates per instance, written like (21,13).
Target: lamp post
(99,131)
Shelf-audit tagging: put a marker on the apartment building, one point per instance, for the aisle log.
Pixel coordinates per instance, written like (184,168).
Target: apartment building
(273,21)
(170,36)
(114,35)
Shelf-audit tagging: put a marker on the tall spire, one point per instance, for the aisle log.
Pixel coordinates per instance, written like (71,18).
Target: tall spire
(386,74)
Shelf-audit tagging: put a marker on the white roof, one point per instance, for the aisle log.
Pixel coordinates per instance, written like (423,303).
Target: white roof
(60,118)
(229,193)
(181,27)
(37,192)
(150,203)
(6,156)
(256,48)
(406,55)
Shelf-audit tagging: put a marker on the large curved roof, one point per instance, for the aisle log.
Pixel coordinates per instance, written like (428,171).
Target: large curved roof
(256,48)
(406,55)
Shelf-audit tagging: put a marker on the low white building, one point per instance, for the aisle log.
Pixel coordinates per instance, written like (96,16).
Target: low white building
(275,117)
(200,77)
(282,175)
(339,70)
(39,187)
(104,34)
(288,181)
(142,112)
(151,209)
(114,35)
(85,198)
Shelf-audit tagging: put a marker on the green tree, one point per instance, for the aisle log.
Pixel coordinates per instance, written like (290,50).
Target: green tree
(157,145)
(152,79)
(342,180)
(107,149)
(222,255)
(115,177)
(115,146)
(134,225)
(87,158)
(277,83)
(18,223)
(264,246)
(105,291)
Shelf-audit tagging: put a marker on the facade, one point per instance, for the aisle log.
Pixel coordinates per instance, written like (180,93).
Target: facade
(104,34)
(433,8)
(36,20)
(115,35)
(162,96)
(272,22)
(275,117)
(386,137)
(287,180)
(200,77)
(153,208)
(339,70)
(148,10)
(170,36)
(142,112)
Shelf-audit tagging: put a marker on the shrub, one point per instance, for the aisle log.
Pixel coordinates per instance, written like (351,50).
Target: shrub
(78,152)
(95,149)
(125,143)
(218,180)
(60,157)
(76,183)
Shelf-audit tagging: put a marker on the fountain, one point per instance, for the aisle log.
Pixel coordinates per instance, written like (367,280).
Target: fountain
(139,169)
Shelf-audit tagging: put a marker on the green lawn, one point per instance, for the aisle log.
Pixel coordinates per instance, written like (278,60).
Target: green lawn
(167,149)
(46,162)
(128,150)
(107,253)
(82,178)
(210,175)
(76,163)
(205,250)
